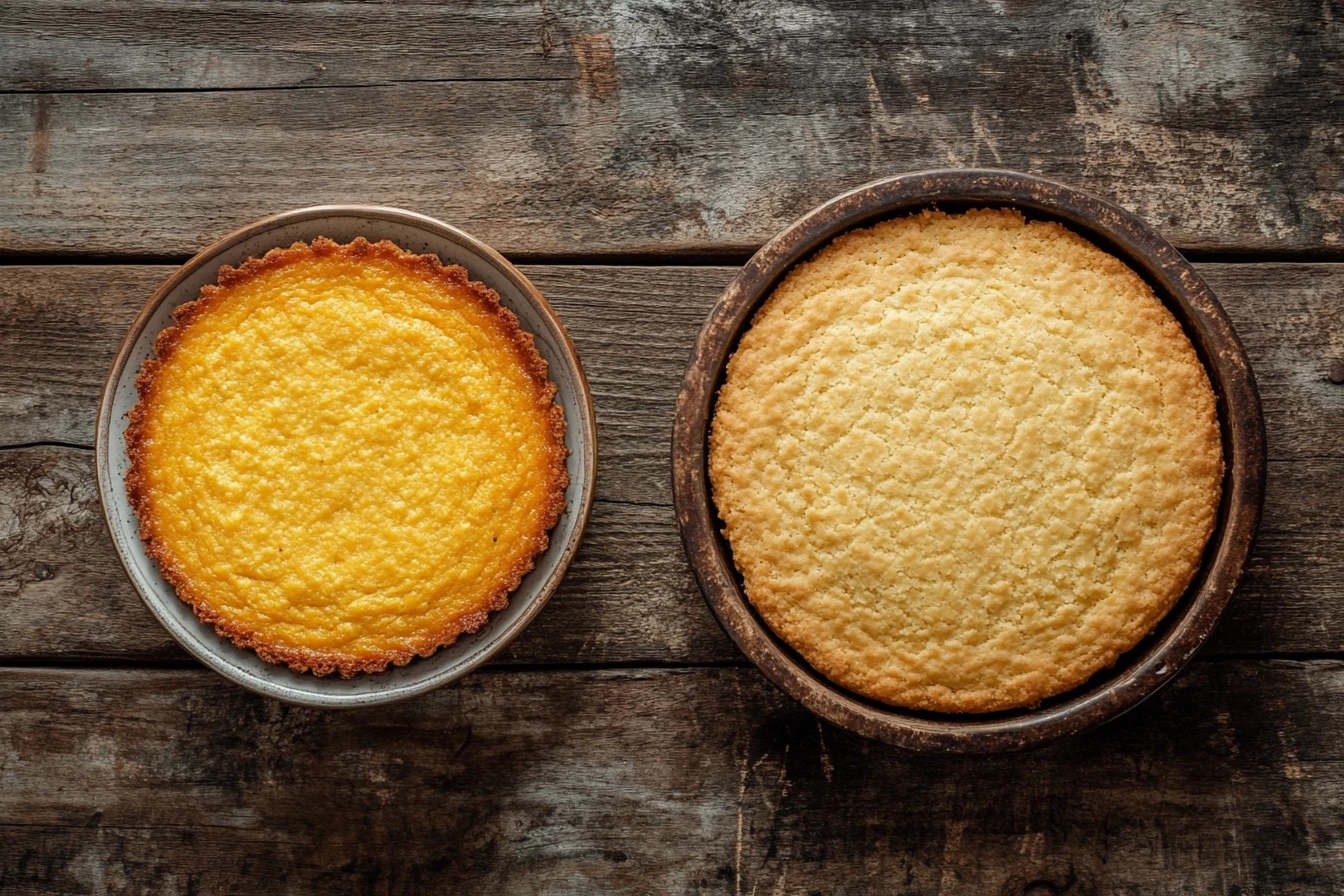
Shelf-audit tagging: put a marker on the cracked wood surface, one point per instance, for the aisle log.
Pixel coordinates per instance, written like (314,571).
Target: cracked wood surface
(151,129)
(655,781)
(630,596)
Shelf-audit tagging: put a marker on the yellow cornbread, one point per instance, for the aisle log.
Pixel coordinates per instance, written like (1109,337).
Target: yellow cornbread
(345,456)
(964,462)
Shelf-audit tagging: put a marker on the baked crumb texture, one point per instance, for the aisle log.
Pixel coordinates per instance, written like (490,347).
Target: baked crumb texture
(965,461)
(345,456)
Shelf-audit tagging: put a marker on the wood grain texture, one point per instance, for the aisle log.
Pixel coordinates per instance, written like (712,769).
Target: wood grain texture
(614,127)
(245,44)
(654,781)
(630,596)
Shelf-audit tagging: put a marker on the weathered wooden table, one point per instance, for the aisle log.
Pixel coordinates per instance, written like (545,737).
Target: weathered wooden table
(630,155)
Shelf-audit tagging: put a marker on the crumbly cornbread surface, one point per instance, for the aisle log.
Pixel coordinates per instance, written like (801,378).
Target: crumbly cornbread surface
(964,462)
(345,456)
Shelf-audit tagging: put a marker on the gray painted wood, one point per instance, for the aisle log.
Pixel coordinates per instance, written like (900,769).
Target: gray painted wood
(213,45)
(654,781)
(628,596)
(656,128)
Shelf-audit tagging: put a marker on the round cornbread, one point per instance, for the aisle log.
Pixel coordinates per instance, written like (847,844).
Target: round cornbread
(345,456)
(964,462)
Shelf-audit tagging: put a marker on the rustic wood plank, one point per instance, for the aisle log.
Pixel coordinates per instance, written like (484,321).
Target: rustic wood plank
(655,781)
(657,128)
(630,596)
(213,45)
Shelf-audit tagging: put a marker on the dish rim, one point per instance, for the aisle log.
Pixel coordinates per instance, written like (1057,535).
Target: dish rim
(1140,672)
(209,651)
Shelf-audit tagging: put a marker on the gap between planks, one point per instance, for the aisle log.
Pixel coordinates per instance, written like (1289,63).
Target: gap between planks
(77,664)
(731,255)
(371,85)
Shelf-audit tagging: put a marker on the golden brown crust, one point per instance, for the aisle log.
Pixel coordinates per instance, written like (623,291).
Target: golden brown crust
(964,462)
(141,497)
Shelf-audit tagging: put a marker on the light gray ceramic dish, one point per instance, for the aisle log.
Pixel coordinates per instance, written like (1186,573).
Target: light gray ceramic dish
(416,233)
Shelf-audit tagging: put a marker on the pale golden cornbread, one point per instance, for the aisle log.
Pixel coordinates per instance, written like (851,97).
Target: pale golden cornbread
(964,462)
(345,456)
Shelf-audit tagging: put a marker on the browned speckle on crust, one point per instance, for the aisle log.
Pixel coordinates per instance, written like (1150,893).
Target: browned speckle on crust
(141,498)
